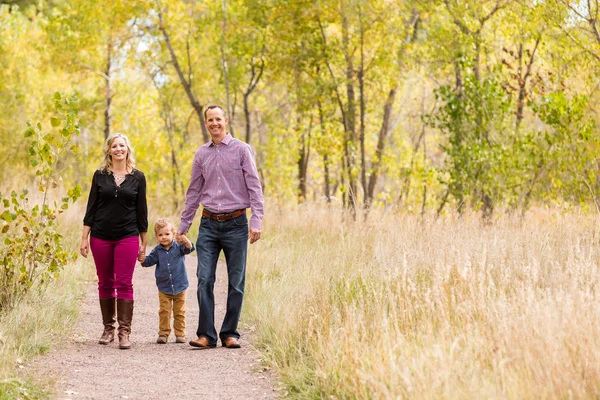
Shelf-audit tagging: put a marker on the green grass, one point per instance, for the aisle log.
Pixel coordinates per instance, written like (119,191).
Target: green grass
(31,328)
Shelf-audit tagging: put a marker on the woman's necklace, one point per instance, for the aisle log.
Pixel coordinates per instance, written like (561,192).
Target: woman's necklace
(118,178)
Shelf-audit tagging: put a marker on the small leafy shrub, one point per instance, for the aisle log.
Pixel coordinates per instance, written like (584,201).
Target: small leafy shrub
(32,250)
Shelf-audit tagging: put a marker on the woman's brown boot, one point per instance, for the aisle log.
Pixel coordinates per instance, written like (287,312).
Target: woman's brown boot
(107,306)
(124,316)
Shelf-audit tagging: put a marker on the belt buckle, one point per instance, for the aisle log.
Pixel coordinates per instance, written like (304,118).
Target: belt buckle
(219,217)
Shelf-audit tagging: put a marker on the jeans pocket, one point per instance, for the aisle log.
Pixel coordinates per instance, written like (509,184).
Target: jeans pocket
(242,220)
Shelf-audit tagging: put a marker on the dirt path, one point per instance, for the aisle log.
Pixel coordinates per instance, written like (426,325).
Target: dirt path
(87,370)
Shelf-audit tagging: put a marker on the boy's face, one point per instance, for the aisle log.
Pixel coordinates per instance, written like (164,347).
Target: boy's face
(165,235)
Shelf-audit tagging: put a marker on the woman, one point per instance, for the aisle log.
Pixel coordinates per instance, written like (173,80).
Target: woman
(116,214)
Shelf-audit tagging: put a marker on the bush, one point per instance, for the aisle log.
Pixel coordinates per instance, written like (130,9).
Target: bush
(33,251)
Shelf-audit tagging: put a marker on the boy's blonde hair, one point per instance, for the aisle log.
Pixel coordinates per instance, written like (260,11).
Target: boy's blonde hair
(162,223)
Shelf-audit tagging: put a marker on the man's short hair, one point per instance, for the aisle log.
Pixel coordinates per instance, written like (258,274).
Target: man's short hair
(162,223)
(213,106)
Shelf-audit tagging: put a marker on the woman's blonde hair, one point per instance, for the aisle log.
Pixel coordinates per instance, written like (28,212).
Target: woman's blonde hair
(106,163)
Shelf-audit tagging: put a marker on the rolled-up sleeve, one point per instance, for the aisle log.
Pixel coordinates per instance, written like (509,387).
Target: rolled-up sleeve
(142,205)
(254,187)
(92,204)
(151,259)
(192,197)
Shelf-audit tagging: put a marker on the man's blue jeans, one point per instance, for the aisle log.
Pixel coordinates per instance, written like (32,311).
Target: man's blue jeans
(231,237)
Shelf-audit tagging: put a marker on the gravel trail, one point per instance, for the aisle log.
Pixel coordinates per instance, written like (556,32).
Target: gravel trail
(87,370)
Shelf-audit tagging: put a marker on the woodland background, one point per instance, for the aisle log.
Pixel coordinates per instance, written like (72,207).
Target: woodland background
(456,141)
(423,106)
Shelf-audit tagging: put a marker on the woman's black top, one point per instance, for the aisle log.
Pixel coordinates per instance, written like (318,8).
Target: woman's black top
(114,212)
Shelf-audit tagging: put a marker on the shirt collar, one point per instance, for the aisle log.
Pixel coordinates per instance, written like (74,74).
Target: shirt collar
(226,140)
(172,244)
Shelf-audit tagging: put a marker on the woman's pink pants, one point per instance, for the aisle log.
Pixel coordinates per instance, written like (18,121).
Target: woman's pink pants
(115,263)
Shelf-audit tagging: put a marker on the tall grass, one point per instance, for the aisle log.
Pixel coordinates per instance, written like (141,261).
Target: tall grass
(406,307)
(42,318)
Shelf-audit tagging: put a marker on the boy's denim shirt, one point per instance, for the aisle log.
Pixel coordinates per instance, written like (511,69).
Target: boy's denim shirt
(170,273)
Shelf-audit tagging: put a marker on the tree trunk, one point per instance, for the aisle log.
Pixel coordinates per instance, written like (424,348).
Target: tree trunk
(303,160)
(457,187)
(325,155)
(186,85)
(350,139)
(109,94)
(247,117)
(523,77)
(383,134)
(301,163)
(254,79)
(226,69)
(361,85)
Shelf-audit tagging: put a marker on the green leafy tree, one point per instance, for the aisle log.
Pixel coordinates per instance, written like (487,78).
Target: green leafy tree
(566,152)
(473,120)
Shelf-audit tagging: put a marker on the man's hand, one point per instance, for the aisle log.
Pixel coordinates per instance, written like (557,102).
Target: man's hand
(254,234)
(181,238)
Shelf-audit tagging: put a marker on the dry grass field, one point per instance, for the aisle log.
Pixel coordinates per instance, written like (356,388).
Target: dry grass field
(407,307)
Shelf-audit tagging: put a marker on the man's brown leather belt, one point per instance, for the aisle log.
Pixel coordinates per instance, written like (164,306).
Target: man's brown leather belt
(223,216)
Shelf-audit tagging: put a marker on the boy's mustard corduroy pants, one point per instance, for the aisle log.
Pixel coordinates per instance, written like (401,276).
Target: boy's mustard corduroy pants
(176,304)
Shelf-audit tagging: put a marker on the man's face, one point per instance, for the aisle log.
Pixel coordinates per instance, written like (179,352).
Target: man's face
(216,122)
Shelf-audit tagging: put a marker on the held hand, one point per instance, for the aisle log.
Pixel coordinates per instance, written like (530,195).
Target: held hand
(84,248)
(142,254)
(181,238)
(254,235)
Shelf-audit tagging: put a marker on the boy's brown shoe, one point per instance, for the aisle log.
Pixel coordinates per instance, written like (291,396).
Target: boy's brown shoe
(162,339)
(180,339)
(232,343)
(202,343)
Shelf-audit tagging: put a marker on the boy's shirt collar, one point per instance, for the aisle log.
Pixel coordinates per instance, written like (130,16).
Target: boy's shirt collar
(170,246)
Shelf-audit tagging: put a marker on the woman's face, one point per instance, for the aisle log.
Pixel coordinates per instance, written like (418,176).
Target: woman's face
(118,149)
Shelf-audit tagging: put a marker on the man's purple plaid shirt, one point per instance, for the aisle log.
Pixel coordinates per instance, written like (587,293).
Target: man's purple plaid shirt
(224,179)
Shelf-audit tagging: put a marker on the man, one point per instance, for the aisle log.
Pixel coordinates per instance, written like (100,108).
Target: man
(225,181)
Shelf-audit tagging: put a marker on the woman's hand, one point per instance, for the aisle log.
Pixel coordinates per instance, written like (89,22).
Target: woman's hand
(84,248)
(142,253)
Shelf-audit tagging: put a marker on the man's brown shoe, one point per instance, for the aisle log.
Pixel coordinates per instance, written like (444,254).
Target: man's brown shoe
(202,343)
(232,343)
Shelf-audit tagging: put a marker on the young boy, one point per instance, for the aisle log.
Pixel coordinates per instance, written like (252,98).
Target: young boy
(171,280)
